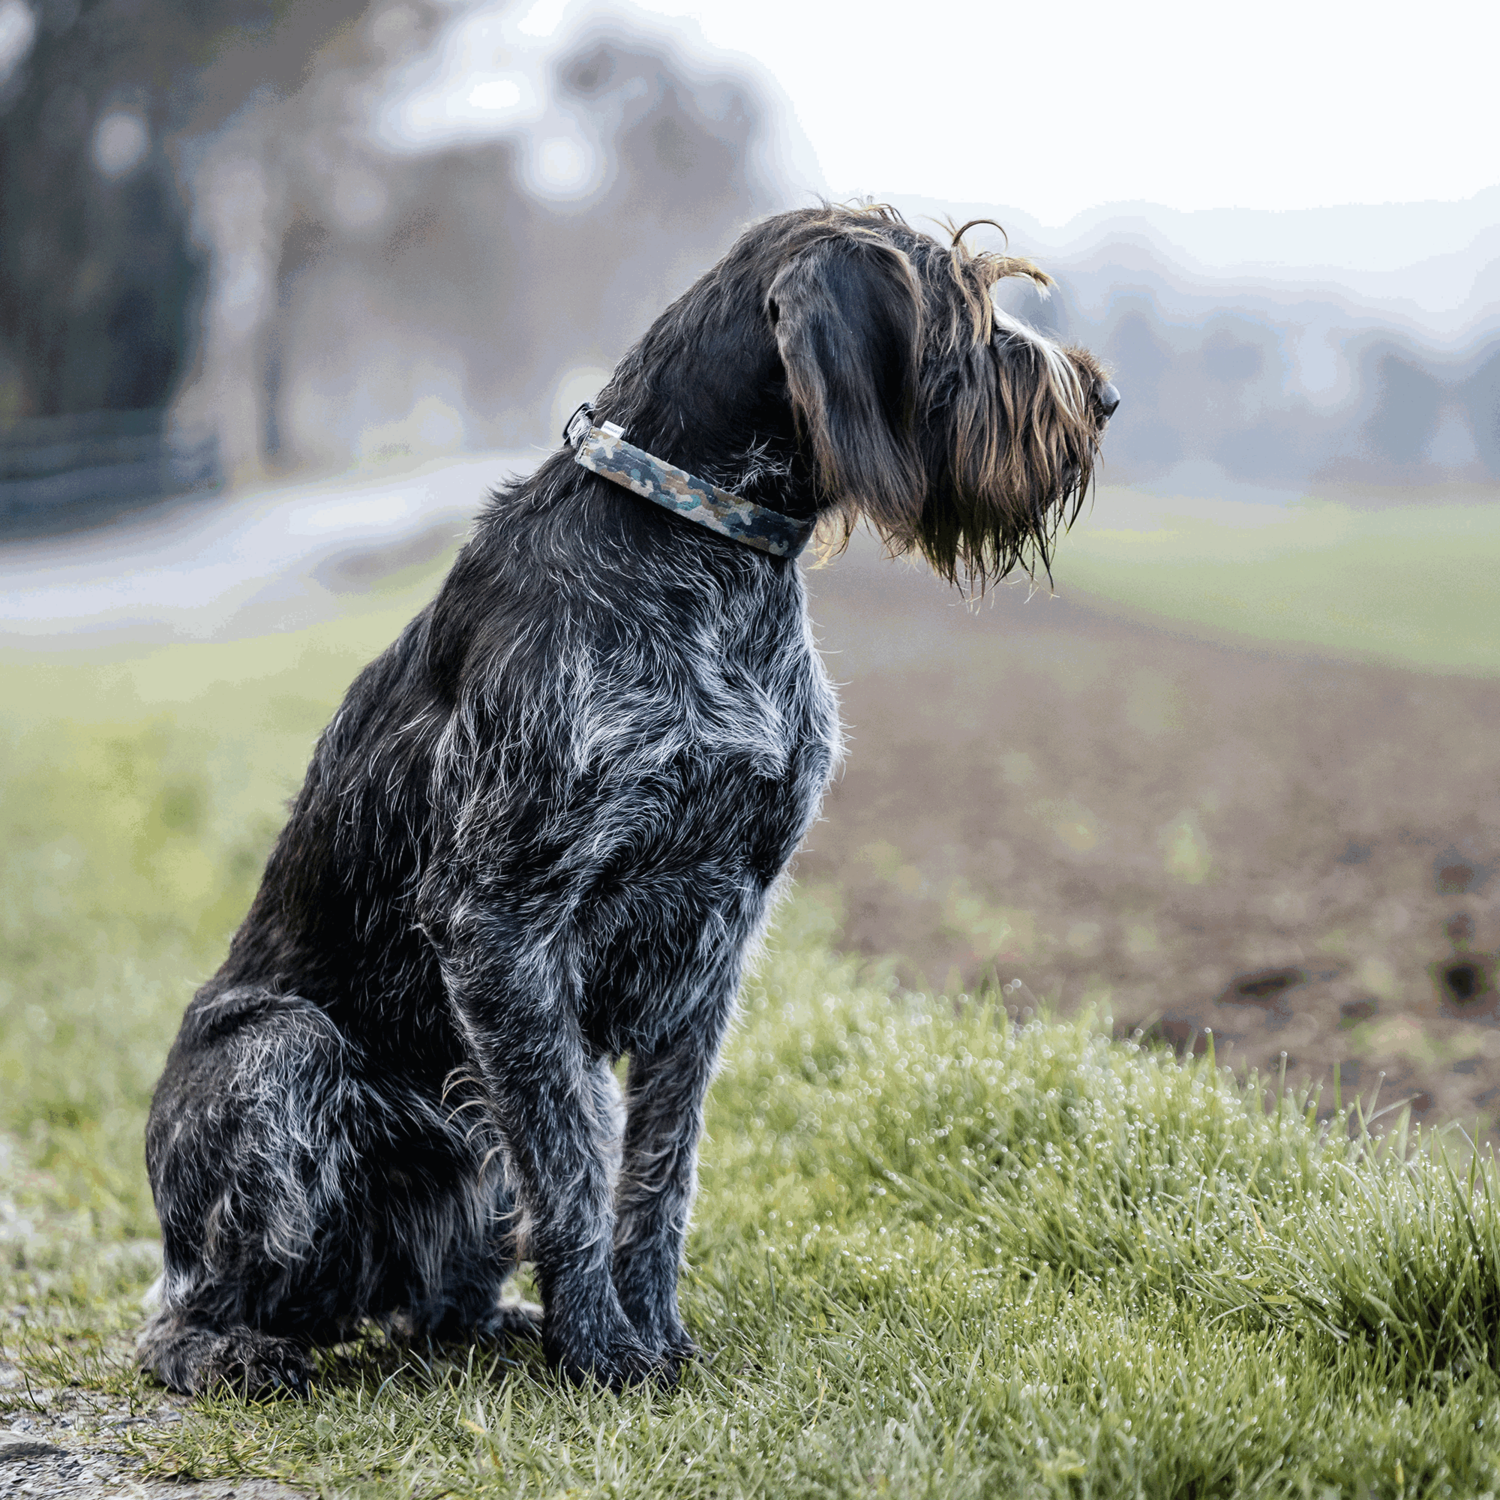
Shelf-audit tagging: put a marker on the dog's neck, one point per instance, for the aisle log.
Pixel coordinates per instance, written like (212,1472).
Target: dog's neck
(603,450)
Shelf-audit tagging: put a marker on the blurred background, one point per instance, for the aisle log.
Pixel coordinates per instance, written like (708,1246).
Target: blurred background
(286,287)
(252,238)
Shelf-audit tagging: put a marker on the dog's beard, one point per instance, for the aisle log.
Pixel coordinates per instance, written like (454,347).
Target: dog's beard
(1009,451)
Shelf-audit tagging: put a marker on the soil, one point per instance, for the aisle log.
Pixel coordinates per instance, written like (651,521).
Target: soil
(1297,852)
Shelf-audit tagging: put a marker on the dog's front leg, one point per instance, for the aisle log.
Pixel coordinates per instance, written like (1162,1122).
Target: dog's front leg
(555,1106)
(658,1177)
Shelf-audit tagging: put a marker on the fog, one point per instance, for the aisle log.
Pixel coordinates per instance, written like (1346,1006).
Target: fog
(253,244)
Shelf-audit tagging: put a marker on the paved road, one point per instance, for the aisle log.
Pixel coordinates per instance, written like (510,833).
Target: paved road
(214,567)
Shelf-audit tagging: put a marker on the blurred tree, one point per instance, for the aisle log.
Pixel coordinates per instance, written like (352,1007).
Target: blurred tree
(1481,395)
(195,209)
(100,281)
(462,289)
(1406,408)
(405,303)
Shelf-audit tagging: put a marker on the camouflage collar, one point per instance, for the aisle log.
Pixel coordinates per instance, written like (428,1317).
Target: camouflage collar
(603,450)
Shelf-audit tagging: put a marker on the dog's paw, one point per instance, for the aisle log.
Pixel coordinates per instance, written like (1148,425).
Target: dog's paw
(256,1366)
(682,1348)
(618,1362)
(673,1344)
(658,1325)
(678,1350)
(513,1320)
(198,1359)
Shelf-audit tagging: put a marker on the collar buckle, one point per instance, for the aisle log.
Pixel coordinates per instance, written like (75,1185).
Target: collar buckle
(578,425)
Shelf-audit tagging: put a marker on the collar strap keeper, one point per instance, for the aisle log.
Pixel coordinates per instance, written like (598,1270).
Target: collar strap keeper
(604,451)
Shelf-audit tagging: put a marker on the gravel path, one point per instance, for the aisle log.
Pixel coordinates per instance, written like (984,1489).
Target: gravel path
(68,1445)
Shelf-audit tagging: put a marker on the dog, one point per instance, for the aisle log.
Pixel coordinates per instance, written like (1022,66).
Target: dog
(546,828)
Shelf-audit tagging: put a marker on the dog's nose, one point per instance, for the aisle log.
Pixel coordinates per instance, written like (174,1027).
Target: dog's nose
(1109,399)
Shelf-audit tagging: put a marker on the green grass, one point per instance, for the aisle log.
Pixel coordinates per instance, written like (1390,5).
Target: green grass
(935,1253)
(1414,585)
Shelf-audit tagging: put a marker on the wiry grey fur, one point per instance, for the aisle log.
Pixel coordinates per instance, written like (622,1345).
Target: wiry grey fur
(545,829)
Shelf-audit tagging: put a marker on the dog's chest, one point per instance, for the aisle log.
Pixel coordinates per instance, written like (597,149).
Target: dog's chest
(732,685)
(722,746)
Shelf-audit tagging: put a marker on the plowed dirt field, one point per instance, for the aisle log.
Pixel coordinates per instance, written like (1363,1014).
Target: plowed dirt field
(1296,851)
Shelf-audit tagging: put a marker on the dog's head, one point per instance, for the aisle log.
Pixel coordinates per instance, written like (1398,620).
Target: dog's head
(838,363)
(954,429)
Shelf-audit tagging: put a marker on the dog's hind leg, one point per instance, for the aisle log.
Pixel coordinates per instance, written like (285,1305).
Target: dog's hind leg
(471,1307)
(248,1155)
(296,1198)
(470,1304)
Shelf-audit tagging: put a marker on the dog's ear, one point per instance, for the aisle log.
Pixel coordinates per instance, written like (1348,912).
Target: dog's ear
(847,315)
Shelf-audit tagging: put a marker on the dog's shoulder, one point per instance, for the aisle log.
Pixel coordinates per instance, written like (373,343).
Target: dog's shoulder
(582,625)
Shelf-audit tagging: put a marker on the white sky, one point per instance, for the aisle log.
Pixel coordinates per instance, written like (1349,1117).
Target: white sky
(1060,107)
(1181,116)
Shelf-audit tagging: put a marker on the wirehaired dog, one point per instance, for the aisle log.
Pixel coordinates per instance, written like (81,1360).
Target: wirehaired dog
(545,827)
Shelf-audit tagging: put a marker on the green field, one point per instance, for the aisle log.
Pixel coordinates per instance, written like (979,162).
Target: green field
(1413,585)
(935,1253)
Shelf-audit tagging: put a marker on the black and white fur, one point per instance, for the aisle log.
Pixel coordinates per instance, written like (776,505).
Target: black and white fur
(546,827)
